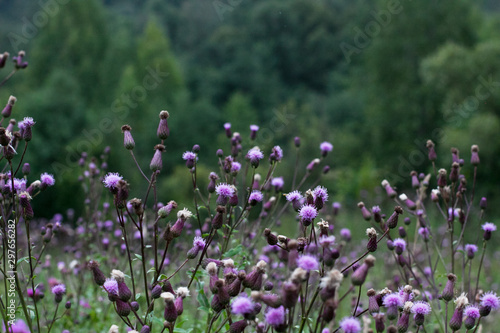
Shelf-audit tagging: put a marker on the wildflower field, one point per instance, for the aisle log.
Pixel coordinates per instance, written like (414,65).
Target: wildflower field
(249,253)
(232,166)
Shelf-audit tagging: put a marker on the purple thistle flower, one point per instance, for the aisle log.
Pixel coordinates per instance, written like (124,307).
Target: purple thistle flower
(253,131)
(470,249)
(111,180)
(227,127)
(224,190)
(327,241)
(199,243)
(276,154)
(393,299)
(254,155)
(293,196)
(276,317)
(242,305)
(59,290)
(26,123)
(490,300)
(190,158)
(488,228)
(235,167)
(19,326)
(345,234)
(399,245)
(47,179)
(255,197)
(424,233)
(308,213)
(308,262)
(325,148)
(278,183)
(472,311)
(421,308)
(350,325)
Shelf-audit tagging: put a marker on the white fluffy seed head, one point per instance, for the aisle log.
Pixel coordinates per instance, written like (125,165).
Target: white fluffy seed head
(184,214)
(299,274)
(114,329)
(407,307)
(385,183)
(371,232)
(118,275)
(211,268)
(261,265)
(167,297)
(182,292)
(461,301)
(228,263)
(403,197)
(332,279)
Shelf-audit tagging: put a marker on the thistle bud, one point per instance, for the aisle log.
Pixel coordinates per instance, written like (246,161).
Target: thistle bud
(97,274)
(372,239)
(359,275)
(163,131)
(170,313)
(364,211)
(388,189)
(392,222)
(454,172)
(156,163)
(271,238)
(3,59)
(449,289)
(218,219)
(441,181)
(128,140)
(431,151)
(122,308)
(7,111)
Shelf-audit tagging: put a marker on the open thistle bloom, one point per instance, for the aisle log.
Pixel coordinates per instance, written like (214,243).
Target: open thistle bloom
(489,301)
(242,305)
(224,192)
(350,325)
(276,154)
(190,158)
(255,197)
(393,302)
(276,318)
(46,180)
(198,245)
(59,291)
(488,228)
(320,195)
(295,198)
(471,313)
(227,128)
(253,131)
(278,183)
(111,287)
(470,250)
(420,309)
(325,148)
(25,127)
(307,214)
(254,155)
(308,262)
(399,245)
(424,233)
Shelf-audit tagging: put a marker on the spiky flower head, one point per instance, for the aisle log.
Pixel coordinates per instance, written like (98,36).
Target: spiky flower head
(184,214)
(47,179)
(491,300)
(275,317)
(308,213)
(350,325)
(254,155)
(111,180)
(242,305)
(308,262)
(325,148)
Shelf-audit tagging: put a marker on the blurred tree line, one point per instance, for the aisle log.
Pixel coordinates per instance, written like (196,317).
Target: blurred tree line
(377,79)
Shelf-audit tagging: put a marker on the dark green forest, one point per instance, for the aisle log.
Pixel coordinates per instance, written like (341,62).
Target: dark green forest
(375,78)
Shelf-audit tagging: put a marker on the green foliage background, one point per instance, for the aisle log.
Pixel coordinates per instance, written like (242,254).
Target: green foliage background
(250,62)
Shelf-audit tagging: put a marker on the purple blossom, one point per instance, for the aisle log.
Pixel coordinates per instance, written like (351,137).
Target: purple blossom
(489,227)
(399,245)
(189,156)
(424,233)
(227,126)
(254,128)
(293,196)
(112,179)
(325,147)
(235,166)
(254,155)
(350,325)
(276,154)
(59,289)
(224,190)
(111,286)
(242,305)
(275,317)
(393,299)
(345,234)
(19,326)
(472,311)
(376,209)
(421,307)
(490,300)
(278,183)
(308,262)
(199,243)
(255,196)
(327,241)
(308,213)
(26,123)
(47,179)
(321,193)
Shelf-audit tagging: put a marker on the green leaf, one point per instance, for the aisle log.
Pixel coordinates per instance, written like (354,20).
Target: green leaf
(234,251)
(138,256)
